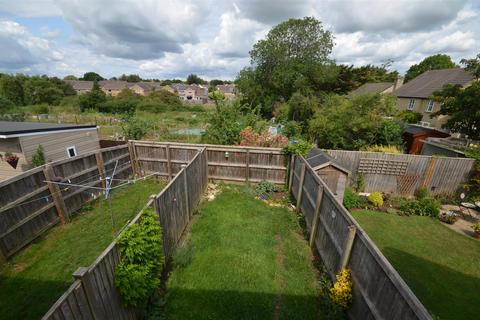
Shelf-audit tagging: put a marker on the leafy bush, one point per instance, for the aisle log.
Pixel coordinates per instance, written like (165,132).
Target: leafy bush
(141,259)
(38,158)
(298,147)
(476,227)
(134,128)
(422,193)
(265,188)
(350,199)
(376,199)
(384,149)
(341,292)
(251,138)
(410,116)
(425,207)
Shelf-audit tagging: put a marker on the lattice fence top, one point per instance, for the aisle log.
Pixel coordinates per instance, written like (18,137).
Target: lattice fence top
(383,166)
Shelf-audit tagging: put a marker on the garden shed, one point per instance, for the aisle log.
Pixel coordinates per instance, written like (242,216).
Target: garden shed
(334,175)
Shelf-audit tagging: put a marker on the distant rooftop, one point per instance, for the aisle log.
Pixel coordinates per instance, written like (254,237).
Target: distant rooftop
(371,87)
(428,82)
(10,129)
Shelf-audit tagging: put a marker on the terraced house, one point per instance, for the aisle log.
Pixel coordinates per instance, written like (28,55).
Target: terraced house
(416,94)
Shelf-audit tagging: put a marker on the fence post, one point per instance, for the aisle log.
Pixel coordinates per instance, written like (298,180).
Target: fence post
(54,189)
(133,157)
(300,188)
(292,169)
(348,247)
(169,163)
(185,188)
(101,168)
(247,166)
(82,275)
(316,216)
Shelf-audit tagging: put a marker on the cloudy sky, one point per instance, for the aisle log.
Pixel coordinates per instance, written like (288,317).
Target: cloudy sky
(166,38)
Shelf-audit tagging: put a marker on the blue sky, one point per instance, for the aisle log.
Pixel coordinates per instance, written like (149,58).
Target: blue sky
(167,38)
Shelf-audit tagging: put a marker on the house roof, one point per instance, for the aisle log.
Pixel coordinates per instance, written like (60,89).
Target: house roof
(179,86)
(113,84)
(226,88)
(317,159)
(10,129)
(371,87)
(144,85)
(80,84)
(428,82)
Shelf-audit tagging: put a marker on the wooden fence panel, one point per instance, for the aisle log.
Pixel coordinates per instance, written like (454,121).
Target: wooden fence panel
(404,173)
(27,208)
(378,290)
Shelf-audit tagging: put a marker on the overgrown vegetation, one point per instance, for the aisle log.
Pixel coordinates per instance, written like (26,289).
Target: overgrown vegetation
(141,260)
(38,158)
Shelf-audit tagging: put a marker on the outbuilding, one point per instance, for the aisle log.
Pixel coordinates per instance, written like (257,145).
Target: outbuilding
(334,175)
(19,141)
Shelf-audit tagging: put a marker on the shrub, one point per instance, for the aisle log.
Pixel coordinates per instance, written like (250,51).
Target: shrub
(476,227)
(298,147)
(134,128)
(141,251)
(422,193)
(376,199)
(341,292)
(248,137)
(350,199)
(359,183)
(447,217)
(425,207)
(265,188)
(38,158)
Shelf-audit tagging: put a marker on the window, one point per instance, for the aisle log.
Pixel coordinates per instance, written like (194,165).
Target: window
(411,104)
(71,151)
(430,106)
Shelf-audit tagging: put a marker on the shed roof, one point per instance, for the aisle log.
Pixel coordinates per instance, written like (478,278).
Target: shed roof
(10,129)
(428,82)
(317,159)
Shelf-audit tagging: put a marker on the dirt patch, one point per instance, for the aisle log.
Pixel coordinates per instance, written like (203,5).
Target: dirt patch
(212,191)
(19,267)
(279,280)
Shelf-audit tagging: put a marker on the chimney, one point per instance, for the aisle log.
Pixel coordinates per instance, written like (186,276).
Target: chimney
(398,83)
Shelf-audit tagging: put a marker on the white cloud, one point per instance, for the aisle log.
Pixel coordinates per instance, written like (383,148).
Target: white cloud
(29,9)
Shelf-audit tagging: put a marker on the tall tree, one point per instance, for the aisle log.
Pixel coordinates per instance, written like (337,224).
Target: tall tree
(42,90)
(293,57)
(92,76)
(92,99)
(70,77)
(11,87)
(472,65)
(435,62)
(130,78)
(194,79)
(462,105)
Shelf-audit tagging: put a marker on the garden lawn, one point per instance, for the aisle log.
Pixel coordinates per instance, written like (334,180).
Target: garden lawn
(441,266)
(34,279)
(248,261)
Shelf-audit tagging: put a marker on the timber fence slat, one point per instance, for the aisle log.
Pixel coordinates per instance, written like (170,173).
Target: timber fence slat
(441,175)
(378,290)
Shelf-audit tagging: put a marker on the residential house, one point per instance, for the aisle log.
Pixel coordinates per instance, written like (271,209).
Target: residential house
(416,94)
(194,93)
(113,87)
(168,88)
(80,86)
(142,88)
(377,87)
(59,141)
(228,90)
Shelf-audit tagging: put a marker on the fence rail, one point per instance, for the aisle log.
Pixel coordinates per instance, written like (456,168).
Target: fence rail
(230,163)
(378,290)
(30,206)
(93,294)
(405,173)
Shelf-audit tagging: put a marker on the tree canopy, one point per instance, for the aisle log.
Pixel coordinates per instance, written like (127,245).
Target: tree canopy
(92,76)
(130,78)
(194,79)
(472,65)
(462,105)
(435,62)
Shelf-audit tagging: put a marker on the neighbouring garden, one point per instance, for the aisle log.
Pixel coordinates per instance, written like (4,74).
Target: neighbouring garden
(34,279)
(440,265)
(244,259)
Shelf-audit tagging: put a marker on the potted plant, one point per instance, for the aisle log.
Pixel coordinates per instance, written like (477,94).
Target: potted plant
(476,229)
(12,159)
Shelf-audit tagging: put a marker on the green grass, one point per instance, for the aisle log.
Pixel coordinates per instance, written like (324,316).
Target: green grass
(248,261)
(441,266)
(34,279)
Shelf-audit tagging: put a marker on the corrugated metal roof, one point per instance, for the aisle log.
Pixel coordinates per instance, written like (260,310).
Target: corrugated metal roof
(428,82)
